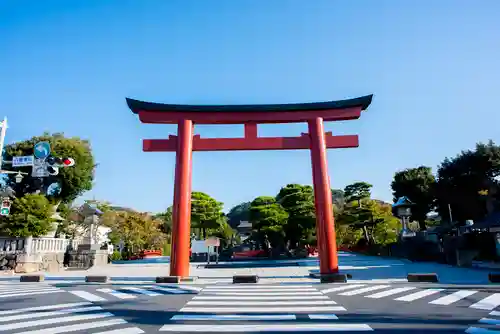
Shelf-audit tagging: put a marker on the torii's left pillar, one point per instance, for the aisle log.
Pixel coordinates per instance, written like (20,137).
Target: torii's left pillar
(181,213)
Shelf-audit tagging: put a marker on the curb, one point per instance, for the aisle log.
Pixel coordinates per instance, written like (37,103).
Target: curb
(139,278)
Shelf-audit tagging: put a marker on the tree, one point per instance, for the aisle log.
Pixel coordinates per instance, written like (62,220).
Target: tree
(338,200)
(206,212)
(357,191)
(72,181)
(166,218)
(268,218)
(298,202)
(226,235)
(374,218)
(238,214)
(30,215)
(138,231)
(469,183)
(418,184)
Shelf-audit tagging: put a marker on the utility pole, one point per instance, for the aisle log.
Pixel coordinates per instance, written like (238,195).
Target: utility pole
(2,139)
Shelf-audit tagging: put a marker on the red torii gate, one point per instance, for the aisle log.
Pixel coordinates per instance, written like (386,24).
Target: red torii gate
(185,142)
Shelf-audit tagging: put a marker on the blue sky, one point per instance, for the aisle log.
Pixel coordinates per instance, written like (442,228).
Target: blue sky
(433,67)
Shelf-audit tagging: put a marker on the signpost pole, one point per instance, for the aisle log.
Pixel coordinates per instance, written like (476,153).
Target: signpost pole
(2,139)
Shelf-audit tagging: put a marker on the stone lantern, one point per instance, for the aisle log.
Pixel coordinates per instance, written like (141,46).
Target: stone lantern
(402,210)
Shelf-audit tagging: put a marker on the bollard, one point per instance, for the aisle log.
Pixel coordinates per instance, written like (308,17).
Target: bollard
(96,279)
(494,277)
(245,279)
(333,278)
(168,279)
(32,278)
(424,278)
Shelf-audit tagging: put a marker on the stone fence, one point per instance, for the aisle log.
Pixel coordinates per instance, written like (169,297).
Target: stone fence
(36,245)
(25,255)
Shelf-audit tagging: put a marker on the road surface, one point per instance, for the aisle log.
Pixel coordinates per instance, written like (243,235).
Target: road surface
(43,308)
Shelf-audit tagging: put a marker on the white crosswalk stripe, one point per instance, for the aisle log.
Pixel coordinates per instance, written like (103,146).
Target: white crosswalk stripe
(62,318)
(17,289)
(486,321)
(412,293)
(133,292)
(247,308)
(454,297)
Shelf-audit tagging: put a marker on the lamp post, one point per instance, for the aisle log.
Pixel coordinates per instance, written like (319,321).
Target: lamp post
(3,129)
(402,209)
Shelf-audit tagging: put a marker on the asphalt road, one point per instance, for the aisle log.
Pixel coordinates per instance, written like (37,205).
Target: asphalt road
(40,308)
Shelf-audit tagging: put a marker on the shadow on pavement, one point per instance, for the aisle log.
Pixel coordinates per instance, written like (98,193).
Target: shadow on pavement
(378,321)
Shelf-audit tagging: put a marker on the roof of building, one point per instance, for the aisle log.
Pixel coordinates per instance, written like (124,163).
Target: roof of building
(363,102)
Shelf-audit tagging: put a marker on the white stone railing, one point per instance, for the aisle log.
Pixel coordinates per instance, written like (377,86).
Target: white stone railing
(52,245)
(36,245)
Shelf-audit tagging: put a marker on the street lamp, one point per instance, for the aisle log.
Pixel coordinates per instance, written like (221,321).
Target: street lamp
(402,209)
(19,177)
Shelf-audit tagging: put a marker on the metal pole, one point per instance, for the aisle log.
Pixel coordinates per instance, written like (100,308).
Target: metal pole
(2,139)
(449,211)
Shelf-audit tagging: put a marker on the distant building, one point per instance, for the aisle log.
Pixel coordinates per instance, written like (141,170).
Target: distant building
(244,229)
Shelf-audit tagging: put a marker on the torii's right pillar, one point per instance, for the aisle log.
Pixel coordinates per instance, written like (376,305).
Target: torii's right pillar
(325,228)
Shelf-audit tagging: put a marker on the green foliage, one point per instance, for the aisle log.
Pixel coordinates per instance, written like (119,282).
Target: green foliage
(269,218)
(338,200)
(373,220)
(166,219)
(298,202)
(239,213)
(469,183)
(226,234)
(418,184)
(166,249)
(116,256)
(103,206)
(74,181)
(357,191)
(30,216)
(206,212)
(139,231)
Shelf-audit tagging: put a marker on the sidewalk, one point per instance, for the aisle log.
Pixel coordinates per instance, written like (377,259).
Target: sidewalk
(361,267)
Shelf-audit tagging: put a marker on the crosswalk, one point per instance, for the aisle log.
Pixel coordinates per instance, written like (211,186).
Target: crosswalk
(133,292)
(435,296)
(16,289)
(64,318)
(260,308)
(484,325)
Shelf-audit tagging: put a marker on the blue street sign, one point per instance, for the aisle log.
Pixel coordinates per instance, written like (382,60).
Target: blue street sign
(41,150)
(22,161)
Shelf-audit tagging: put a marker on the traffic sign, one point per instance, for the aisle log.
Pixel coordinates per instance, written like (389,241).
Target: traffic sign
(42,149)
(212,241)
(23,161)
(39,168)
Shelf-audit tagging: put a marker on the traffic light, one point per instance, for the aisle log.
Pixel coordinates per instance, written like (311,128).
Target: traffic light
(53,164)
(5,209)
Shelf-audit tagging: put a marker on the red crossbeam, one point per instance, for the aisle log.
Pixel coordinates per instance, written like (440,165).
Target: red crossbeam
(164,117)
(249,144)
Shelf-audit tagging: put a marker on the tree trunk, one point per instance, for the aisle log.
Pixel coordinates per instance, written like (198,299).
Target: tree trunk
(365,232)
(421,225)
